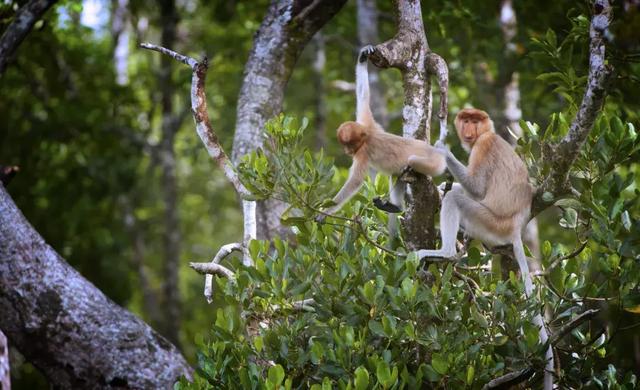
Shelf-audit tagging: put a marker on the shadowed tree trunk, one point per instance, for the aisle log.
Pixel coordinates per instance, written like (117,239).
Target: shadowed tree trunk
(5,373)
(170,125)
(285,30)
(409,52)
(65,326)
(23,22)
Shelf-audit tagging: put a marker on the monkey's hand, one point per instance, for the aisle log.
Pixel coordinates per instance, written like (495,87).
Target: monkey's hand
(442,148)
(365,52)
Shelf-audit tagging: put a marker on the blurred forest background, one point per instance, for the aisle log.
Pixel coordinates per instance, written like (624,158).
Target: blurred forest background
(114,177)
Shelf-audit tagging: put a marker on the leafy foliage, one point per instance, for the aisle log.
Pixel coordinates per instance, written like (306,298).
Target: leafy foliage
(378,320)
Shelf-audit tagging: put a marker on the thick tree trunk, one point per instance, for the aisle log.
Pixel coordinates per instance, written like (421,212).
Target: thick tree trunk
(120,34)
(24,20)
(170,125)
(65,326)
(408,51)
(5,373)
(285,30)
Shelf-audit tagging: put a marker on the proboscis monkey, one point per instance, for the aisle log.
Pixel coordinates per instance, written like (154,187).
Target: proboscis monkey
(369,144)
(491,201)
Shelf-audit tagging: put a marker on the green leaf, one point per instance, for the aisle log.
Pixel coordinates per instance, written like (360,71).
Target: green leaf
(362,378)
(258,343)
(471,371)
(439,363)
(276,375)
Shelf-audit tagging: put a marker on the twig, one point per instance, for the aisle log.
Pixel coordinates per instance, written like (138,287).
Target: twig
(513,378)
(575,253)
(212,268)
(176,56)
(510,379)
(304,304)
(571,325)
(224,251)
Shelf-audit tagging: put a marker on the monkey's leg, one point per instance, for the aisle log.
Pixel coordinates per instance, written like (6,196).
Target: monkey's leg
(425,165)
(518,251)
(449,225)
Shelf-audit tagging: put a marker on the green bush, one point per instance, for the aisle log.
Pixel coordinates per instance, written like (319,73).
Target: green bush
(384,320)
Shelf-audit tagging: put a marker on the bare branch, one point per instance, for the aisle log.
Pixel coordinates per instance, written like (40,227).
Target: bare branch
(304,304)
(513,378)
(561,156)
(213,269)
(508,380)
(224,251)
(201,116)
(571,325)
(342,85)
(176,56)
(23,22)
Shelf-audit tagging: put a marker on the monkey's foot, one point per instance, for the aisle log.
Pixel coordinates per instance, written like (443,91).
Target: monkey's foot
(385,205)
(365,52)
(407,175)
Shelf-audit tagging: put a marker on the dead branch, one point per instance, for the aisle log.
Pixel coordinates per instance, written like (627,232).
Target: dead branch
(437,66)
(201,116)
(224,251)
(212,269)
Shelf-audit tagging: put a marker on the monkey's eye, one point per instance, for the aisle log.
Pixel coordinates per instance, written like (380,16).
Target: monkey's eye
(466,121)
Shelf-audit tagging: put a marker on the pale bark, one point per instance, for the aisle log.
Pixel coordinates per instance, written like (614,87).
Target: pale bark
(562,155)
(65,326)
(285,30)
(21,25)
(409,52)
(5,372)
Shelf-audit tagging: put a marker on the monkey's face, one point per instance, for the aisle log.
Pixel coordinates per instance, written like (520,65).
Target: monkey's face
(471,124)
(352,136)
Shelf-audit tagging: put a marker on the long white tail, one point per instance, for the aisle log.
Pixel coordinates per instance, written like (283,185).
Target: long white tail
(521,258)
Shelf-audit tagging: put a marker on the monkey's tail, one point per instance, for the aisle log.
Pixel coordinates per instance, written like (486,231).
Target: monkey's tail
(518,251)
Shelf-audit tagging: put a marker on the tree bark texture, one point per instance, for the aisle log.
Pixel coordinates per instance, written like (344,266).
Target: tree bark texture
(24,20)
(65,326)
(285,30)
(5,373)
(408,52)
(170,125)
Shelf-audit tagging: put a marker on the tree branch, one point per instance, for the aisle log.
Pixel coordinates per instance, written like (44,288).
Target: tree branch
(561,156)
(68,328)
(513,378)
(212,269)
(22,24)
(201,116)
(224,251)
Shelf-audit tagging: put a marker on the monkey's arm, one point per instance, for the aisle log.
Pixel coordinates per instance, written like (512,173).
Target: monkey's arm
(474,184)
(357,174)
(363,107)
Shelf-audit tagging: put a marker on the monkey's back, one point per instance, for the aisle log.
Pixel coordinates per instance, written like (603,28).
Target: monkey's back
(390,153)
(508,188)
